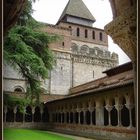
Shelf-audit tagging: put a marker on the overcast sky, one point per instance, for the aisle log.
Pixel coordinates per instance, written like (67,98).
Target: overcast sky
(49,11)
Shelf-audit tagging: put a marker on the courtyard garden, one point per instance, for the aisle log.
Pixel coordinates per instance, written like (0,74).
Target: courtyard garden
(28,134)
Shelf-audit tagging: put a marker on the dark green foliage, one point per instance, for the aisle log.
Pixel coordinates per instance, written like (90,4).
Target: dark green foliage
(26,49)
(12,101)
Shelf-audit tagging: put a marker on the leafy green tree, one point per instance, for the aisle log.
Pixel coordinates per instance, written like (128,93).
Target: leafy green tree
(26,49)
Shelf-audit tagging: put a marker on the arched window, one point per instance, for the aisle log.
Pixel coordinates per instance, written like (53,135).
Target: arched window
(18,89)
(74,47)
(101,36)
(86,33)
(78,32)
(93,34)
(84,49)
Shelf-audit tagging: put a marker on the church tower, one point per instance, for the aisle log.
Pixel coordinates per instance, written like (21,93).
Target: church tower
(76,12)
(81,54)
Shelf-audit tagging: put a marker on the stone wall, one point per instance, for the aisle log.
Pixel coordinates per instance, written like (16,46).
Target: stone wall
(13,79)
(60,79)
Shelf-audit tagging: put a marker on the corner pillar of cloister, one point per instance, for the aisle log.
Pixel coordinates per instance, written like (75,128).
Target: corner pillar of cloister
(123,31)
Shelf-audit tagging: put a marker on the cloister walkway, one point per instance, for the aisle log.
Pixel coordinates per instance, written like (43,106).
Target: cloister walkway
(71,136)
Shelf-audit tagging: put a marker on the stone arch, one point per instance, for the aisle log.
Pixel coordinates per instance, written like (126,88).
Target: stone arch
(98,51)
(107,54)
(131,99)
(71,117)
(76,117)
(94,117)
(114,116)
(84,49)
(10,114)
(59,117)
(81,117)
(37,114)
(125,117)
(67,117)
(106,116)
(56,117)
(45,115)
(91,51)
(28,115)
(19,115)
(88,117)
(114,113)
(63,116)
(121,100)
(19,89)
(74,47)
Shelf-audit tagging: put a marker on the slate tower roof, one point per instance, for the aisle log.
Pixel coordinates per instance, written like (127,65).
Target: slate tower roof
(76,8)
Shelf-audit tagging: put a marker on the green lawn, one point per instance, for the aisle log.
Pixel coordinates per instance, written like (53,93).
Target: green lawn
(28,134)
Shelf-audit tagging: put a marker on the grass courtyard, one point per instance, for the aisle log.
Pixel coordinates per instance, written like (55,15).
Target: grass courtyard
(28,134)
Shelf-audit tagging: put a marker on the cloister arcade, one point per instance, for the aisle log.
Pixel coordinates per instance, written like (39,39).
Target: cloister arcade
(96,110)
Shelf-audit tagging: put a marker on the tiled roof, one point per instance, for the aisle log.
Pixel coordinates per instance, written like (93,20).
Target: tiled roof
(77,8)
(102,84)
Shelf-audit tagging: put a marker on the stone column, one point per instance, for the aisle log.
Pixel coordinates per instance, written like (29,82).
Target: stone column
(41,112)
(65,117)
(78,110)
(99,115)
(123,30)
(69,116)
(15,111)
(74,116)
(91,109)
(33,112)
(130,107)
(109,108)
(119,108)
(84,115)
(5,112)
(24,111)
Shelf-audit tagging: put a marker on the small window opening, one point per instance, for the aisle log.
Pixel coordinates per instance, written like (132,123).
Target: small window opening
(93,34)
(18,90)
(86,33)
(78,32)
(101,36)
(63,44)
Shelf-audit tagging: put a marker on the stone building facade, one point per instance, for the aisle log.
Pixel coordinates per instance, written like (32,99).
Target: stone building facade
(81,53)
(100,109)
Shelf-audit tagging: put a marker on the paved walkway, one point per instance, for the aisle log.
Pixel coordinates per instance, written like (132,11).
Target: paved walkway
(71,136)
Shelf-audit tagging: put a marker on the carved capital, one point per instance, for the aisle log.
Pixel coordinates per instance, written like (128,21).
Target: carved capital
(130,106)
(123,32)
(119,107)
(108,107)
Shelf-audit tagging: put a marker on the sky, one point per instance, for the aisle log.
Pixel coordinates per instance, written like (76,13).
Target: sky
(49,11)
